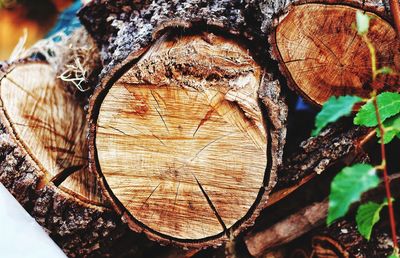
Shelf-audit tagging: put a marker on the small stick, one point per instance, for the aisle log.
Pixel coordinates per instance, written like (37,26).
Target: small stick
(287,229)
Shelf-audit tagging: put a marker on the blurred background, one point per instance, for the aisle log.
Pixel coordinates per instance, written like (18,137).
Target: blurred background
(40,18)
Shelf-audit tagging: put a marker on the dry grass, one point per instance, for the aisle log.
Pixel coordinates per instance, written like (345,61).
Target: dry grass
(72,57)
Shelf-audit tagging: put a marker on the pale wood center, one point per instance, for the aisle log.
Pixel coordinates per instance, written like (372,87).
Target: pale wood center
(49,124)
(324,55)
(185,155)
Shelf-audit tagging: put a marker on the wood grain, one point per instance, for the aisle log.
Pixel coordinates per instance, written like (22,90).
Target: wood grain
(181,141)
(321,54)
(49,124)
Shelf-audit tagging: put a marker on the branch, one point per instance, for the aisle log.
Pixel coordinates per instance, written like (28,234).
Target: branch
(287,229)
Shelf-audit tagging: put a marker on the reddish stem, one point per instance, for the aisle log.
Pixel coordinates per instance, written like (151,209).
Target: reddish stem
(395,9)
(385,175)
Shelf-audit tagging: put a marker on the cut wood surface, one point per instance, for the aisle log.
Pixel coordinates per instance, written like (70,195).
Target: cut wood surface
(49,125)
(113,24)
(43,163)
(321,54)
(181,141)
(187,124)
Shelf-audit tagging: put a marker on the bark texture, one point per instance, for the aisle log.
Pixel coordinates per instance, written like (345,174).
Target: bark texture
(80,228)
(124,28)
(287,229)
(342,239)
(65,218)
(339,142)
(235,87)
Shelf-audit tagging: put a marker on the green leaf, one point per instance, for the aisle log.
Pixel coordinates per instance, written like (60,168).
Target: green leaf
(391,127)
(388,105)
(367,216)
(385,70)
(347,187)
(332,110)
(362,20)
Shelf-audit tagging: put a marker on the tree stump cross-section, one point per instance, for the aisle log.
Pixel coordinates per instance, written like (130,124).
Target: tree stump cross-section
(180,139)
(321,54)
(49,125)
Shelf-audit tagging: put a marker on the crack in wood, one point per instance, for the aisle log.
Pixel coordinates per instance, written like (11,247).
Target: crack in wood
(145,201)
(162,118)
(58,179)
(210,203)
(206,117)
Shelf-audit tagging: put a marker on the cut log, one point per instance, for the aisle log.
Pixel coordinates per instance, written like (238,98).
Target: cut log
(43,163)
(183,140)
(310,40)
(321,55)
(187,128)
(123,27)
(48,124)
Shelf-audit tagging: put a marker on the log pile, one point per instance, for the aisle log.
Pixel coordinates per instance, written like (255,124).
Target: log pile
(181,143)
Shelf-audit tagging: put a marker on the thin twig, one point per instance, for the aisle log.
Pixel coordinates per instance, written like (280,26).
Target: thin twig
(385,175)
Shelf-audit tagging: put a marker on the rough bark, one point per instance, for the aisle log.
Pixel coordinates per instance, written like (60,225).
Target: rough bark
(342,239)
(338,145)
(301,175)
(113,24)
(65,218)
(71,211)
(237,87)
(287,229)
(123,28)
(339,142)
(125,31)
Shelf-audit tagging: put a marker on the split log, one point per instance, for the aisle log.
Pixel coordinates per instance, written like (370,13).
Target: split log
(48,124)
(186,141)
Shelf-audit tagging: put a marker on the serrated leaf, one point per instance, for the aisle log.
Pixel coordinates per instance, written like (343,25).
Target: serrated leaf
(362,22)
(388,106)
(347,187)
(367,216)
(332,110)
(392,128)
